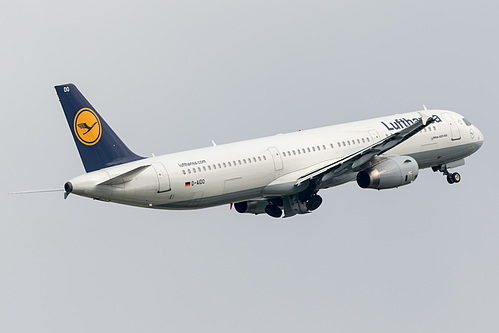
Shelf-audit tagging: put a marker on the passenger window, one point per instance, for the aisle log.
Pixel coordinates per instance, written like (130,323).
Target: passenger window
(244,160)
(209,167)
(294,152)
(189,171)
(284,153)
(204,168)
(264,157)
(363,141)
(331,145)
(219,166)
(308,148)
(183,171)
(259,158)
(194,170)
(229,164)
(254,159)
(225,165)
(344,144)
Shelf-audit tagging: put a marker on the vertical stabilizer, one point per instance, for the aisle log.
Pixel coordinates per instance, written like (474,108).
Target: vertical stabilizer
(98,145)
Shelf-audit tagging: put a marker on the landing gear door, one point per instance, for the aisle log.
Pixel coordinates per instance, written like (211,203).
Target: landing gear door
(163,178)
(276,156)
(454,129)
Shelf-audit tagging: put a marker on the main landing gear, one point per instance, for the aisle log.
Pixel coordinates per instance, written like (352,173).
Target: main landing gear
(314,202)
(452,178)
(273,210)
(292,205)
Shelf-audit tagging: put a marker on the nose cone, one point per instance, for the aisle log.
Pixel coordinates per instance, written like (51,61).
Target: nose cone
(479,136)
(476,138)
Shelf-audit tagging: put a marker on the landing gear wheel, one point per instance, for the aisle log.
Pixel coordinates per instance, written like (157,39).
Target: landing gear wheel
(273,211)
(314,202)
(456,177)
(450,179)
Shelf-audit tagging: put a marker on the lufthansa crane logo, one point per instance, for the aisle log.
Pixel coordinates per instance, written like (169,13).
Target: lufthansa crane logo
(87,127)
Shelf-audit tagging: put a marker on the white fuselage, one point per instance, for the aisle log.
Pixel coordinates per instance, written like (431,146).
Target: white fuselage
(243,170)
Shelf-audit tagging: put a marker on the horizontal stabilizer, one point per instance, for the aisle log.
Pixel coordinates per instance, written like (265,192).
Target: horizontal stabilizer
(125,177)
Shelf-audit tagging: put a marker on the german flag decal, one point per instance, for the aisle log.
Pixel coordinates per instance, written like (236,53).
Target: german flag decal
(187,184)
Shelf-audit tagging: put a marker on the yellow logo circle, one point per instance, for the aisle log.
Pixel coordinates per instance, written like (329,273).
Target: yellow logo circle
(87,127)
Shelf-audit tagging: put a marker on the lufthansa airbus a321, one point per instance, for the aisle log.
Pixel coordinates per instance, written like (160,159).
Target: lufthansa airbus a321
(279,175)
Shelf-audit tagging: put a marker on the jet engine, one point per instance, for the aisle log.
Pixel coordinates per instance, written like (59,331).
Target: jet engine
(391,172)
(253,207)
(289,204)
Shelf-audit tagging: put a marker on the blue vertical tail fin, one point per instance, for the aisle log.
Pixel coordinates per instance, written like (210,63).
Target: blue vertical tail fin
(98,145)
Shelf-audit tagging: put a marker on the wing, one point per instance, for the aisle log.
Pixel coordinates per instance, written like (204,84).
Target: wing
(359,160)
(83,126)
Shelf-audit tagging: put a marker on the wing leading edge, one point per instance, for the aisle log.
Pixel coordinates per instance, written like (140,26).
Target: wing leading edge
(361,159)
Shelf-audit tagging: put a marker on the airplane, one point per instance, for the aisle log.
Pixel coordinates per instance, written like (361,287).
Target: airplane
(279,175)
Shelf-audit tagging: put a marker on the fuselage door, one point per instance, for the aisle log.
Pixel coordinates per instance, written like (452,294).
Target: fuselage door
(454,129)
(163,178)
(276,156)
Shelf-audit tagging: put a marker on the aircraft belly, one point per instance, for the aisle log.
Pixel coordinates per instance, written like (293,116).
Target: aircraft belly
(214,200)
(438,156)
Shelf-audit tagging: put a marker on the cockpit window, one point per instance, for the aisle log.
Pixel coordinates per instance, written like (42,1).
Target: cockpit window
(467,122)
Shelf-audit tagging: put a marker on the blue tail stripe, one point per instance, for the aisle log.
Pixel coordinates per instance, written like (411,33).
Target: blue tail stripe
(98,145)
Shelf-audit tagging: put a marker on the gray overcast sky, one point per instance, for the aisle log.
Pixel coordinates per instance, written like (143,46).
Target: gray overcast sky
(170,76)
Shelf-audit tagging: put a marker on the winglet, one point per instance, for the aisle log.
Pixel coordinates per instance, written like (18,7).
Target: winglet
(426,118)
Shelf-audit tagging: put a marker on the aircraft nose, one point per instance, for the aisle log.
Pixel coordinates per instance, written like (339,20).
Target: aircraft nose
(477,135)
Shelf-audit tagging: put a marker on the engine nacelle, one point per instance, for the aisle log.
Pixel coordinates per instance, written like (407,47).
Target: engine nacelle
(392,172)
(253,207)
